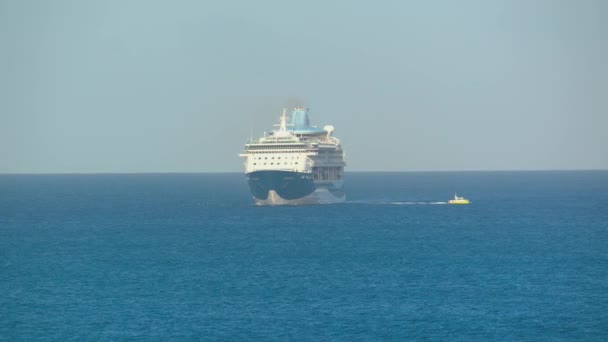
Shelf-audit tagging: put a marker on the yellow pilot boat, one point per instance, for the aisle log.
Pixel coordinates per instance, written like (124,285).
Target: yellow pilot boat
(459,200)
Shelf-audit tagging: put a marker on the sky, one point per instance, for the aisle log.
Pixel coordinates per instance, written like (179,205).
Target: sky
(177,86)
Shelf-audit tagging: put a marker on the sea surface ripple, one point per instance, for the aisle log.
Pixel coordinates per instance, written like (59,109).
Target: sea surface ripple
(188,256)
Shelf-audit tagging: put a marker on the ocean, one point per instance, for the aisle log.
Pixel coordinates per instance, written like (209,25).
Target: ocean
(189,257)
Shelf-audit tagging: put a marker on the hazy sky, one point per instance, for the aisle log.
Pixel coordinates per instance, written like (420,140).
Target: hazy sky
(173,86)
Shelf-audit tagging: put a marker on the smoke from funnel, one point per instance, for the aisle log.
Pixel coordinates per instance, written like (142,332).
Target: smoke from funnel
(294,102)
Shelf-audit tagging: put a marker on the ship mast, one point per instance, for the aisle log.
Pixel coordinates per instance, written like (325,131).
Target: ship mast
(282,132)
(283,127)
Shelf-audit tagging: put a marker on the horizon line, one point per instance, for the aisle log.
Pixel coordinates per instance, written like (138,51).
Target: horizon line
(346,171)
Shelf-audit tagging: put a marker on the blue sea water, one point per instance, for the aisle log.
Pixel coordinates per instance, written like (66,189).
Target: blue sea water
(188,257)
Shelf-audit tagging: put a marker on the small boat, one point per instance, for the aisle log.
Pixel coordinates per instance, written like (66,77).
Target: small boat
(459,200)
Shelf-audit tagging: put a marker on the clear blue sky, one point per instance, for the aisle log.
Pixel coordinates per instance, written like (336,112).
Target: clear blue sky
(172,86)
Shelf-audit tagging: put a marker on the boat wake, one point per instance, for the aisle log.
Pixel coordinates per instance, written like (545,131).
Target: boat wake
(374,202)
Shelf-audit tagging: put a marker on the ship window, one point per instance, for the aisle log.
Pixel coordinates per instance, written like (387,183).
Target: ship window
(271,163)
(254,164)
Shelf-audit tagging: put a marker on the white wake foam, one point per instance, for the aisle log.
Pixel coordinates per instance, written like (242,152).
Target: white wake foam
(378,202)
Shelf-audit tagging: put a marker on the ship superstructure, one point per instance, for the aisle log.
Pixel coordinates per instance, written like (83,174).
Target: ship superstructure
(296,163)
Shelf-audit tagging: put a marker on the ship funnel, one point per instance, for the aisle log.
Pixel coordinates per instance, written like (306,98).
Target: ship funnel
(299,119)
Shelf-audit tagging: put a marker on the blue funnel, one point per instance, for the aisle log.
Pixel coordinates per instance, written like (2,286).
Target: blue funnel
(299,119)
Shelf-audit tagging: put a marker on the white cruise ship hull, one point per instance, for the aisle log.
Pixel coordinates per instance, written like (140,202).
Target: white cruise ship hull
(300,165)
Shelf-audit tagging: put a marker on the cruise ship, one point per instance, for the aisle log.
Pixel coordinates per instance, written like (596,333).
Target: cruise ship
(296,163)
